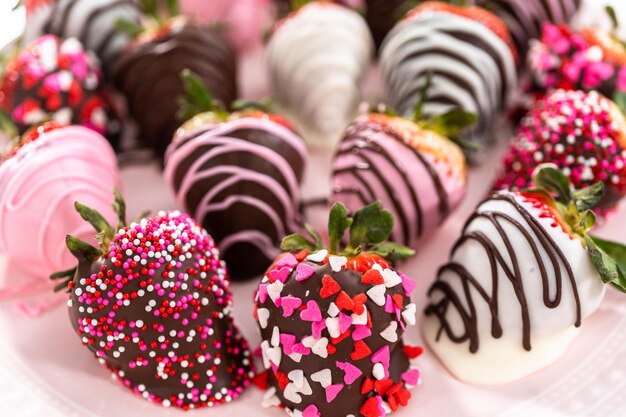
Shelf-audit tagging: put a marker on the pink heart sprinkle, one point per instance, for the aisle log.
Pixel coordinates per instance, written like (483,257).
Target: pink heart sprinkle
(411,377)
(263,293)
(287,260)
(280,274)
(304,271)
(317,327)
(379,406)
(311,411)
(312,312)
(332,391)
(382,356)
(345,321)
(289,305)
(390,306)
(360,332)
(408,284)
(287,341)
(301,349)
(352,373)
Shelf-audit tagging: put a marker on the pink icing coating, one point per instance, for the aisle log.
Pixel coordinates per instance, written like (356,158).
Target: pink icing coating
(38,188)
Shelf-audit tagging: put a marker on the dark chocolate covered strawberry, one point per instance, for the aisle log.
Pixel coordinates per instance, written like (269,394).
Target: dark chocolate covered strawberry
(239,174)
(153,304)
(148,73)
(332,321)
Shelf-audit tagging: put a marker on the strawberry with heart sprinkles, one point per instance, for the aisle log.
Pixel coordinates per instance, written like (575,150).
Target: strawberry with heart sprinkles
(332,321)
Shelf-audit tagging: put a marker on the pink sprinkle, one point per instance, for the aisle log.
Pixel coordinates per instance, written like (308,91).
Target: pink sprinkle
(332,391)
(317,327)
(289,305)
(352,373)
(280,274)
(361,332)
(301,349)
(390,306)
(304,271)
(287,341)
(311,411)
(408,284)
(411,377)
(312,312)
(382,356)
(287,260)
(345,321)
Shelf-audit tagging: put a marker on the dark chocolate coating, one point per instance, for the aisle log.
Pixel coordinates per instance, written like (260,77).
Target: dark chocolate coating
(149,75)
(350,399)
(381,16)
(200,318)
(256,206)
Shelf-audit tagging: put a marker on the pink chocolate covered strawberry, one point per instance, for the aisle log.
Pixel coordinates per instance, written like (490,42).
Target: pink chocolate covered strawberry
(581,133)
(332,321)
(153,304)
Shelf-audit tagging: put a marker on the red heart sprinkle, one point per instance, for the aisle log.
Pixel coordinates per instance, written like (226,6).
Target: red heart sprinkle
(344,302)
(370,408)
(383,386)
(337,340)
(372,277)
(361,350)
(398,300)
(368,386)
(301,256)
(260,380)
(403,396)
(329,287)
(393,403)
(282,379)
(413,352)
(331,349)
(359,303)
(395,388)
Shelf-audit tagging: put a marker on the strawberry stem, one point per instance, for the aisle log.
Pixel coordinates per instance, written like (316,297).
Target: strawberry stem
(198,99)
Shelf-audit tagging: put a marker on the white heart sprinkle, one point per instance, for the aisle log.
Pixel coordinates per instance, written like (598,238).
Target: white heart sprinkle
(275,336)
(324,377)
(296,357)
(360,318)
(337,262)
(332,324)
(291,394)
(318,256)
(274,355)
(391,278)
(274,290)
(264,315)
(409,314)
(389,334)
(333,310)
(378,371)
(297,377)
(265,346)
(319,348)
(377,294)
(306,388)
(386,408)
(308,341)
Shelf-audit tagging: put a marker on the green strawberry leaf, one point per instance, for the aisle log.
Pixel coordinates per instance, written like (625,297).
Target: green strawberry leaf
(392,251)
(83,251)
(610,11)
(65,276)
(103,228)
(8,127)
(589,197)
(370,225)
(552,179)
(197,98)
(128,27)
(418,111)
(317,239)
(338,222)
(296,242)
(619,98)
(609,259)
(451,125)
(119,205)
(265,105)
(173,8)
(587,220)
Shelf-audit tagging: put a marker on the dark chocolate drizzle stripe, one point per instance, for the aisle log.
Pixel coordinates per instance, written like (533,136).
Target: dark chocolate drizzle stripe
(63,12)
(362,133)
(432,35)
(451,300)
(525,17)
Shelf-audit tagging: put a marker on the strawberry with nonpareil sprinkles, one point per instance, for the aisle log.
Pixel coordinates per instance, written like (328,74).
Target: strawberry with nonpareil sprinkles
(521,280)
(56,79)
(332,321)
(581,133)
(153,304)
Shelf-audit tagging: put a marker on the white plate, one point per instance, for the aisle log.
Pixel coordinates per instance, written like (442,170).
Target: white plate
(44,370)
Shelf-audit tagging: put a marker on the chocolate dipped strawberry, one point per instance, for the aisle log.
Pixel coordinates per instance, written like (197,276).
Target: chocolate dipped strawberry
(317,57)
(42,174)
(521,280)
(239,174)
(584,134)
(332,321)
(148,72)
(410,165)
(56,79)
(469,54)
(153,304)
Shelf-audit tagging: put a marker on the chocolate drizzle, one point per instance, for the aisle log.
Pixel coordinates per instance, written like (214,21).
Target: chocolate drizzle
(360,141)
(465,304)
